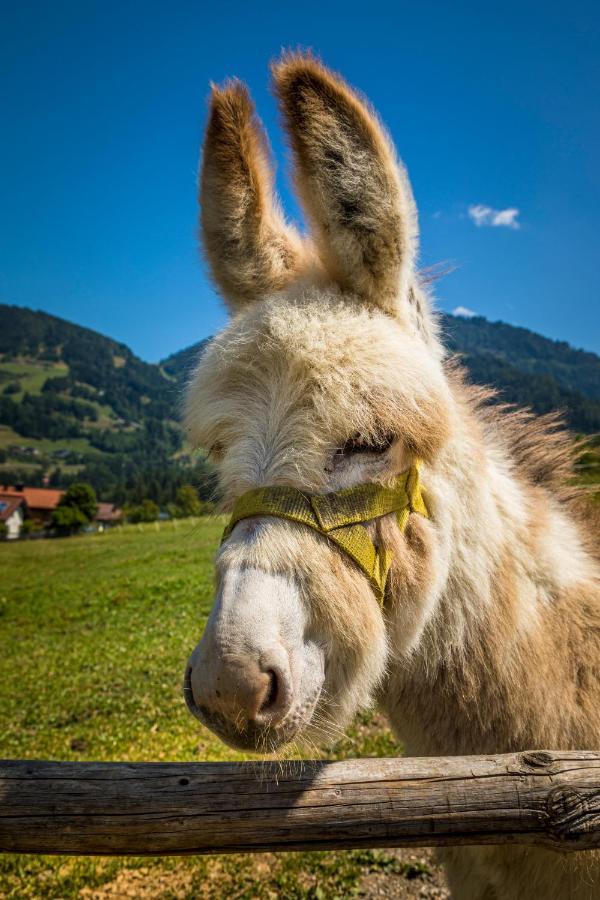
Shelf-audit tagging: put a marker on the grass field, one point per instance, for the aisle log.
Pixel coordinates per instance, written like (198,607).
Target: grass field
(31,375)
(94,635)
(44,445)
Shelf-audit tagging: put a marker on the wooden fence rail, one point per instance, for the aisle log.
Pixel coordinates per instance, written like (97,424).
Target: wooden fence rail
(537,797)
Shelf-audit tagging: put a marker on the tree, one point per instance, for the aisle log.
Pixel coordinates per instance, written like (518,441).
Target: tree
(147,511)
(76,508)
(68,520)
(187,502)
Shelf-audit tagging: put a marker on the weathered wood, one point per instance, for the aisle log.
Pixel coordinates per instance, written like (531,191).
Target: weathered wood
(536,797)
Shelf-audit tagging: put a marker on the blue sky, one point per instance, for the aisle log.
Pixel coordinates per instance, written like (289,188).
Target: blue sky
(493,107)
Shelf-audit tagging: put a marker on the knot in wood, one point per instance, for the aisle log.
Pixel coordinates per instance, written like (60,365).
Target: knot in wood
(537,759)
(574,814)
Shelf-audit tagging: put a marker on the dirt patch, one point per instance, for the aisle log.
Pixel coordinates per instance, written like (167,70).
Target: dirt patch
(144,884)
(398,874)
(420,878)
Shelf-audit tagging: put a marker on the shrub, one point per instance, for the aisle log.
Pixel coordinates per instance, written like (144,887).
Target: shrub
(77,507)
(147,511)
(28,528)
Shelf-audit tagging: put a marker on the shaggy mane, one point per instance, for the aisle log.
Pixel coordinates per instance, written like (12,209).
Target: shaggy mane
(545,450)
(542,447)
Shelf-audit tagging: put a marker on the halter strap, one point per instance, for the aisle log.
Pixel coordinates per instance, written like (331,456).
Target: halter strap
(337,516)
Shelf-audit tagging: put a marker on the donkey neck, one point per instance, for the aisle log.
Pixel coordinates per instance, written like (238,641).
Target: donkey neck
(509,562)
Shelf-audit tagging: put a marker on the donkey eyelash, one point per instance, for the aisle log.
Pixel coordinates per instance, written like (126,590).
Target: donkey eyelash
(357,444)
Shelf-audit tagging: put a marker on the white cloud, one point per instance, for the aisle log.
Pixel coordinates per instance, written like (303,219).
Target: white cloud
(486,215)
(463,312)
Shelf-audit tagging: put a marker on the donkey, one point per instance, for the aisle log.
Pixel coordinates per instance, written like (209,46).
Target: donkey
(480,631)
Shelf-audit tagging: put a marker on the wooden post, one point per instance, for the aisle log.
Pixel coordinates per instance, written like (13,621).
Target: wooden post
(536,797)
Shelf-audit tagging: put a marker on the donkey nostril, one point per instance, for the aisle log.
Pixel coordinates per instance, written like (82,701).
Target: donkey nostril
(270,698)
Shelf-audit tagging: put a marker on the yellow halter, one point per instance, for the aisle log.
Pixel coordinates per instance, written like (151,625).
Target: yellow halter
(337,516)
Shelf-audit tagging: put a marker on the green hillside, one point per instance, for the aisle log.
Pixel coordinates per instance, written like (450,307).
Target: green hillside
(76,404)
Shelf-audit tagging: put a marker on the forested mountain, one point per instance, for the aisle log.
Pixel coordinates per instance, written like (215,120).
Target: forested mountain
(180,365)
(75,404)
(528,369)
(525,351)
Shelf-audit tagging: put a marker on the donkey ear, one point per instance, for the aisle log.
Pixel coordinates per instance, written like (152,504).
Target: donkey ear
(355,192)
(251,251)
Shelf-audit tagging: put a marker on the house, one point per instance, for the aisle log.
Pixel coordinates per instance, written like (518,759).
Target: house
(107,515)
(38,504)
(13,510)
(41,503)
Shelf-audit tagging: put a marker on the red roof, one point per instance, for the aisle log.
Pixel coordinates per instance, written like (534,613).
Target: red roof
(41,498)
(35,498)
(9,501)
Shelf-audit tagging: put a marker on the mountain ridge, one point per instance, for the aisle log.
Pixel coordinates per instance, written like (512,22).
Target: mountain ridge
(76,403)
(511,358)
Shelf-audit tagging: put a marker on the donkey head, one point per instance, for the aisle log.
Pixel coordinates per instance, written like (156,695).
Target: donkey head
(329,375)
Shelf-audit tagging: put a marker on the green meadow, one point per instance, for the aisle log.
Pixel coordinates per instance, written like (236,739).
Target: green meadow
(94,635)
(30,375)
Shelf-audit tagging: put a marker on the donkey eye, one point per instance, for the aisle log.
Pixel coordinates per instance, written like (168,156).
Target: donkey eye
(357,444)
(216,451)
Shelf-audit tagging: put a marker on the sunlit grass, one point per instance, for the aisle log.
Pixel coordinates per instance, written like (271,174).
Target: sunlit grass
(95,632)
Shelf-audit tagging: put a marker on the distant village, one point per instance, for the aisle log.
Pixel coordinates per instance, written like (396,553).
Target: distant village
(39,512)
(29,510)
